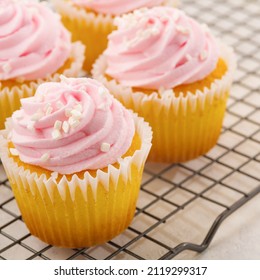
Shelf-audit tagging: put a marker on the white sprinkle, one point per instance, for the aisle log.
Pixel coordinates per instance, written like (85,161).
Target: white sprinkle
(76,114)
(36,116)
(45,157)
(18,115)
(155,31)
(188,57)
(14,152)
(78,107)
(101,107)
(101,91)
(49,110)
(30,126)
(10,134)
(7,68)
(182,29)
(56,134)
(46,106)
(73,122)
(67,112)
(58,125)
(203,55)
(65,127)
(59,104)
(105,147)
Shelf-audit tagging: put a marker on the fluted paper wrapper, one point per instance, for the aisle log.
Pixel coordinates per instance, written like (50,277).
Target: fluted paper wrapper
(81,211)
(89,27)
(184,127)
(10,95)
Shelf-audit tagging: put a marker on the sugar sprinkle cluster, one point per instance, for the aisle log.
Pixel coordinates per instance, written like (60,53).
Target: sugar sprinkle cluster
(137,18)
(73,116)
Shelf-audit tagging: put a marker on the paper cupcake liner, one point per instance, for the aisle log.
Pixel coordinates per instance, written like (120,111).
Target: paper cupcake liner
(81,211)
(184,127)
(10,95)
(90,28)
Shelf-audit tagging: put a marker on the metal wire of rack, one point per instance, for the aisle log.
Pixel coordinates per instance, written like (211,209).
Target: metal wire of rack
(181,206)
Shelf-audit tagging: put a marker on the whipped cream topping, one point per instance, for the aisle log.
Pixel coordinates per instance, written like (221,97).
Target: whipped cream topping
(116,7)
(71,126)
(160,47)
(33,41)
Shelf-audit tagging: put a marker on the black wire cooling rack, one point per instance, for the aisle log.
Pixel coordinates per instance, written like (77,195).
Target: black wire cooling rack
(181,206)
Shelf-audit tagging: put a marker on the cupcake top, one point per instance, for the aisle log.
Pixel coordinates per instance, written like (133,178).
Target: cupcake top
(116,7)
(160,48)
(33,41)
(71,126)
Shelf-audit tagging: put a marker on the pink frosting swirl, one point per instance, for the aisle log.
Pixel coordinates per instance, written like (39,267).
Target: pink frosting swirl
(116,7)
(72,126)
(160,47)
(33,41)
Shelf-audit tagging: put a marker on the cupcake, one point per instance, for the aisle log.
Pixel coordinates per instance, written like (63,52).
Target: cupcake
(34,47)
(74,157)
(171,71)
(92,21)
